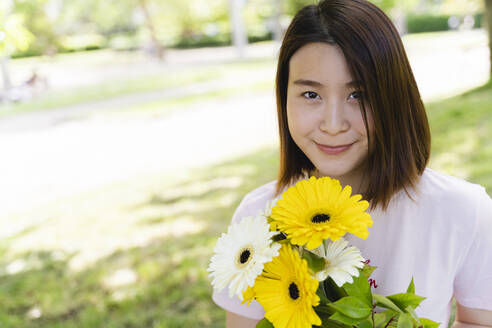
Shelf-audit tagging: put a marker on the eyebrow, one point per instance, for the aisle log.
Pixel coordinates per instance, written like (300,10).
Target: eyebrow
(312,83)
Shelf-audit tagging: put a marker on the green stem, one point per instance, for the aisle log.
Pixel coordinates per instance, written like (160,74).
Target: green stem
(390,320)
(372,315)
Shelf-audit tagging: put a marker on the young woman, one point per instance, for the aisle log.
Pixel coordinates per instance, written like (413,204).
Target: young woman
(349,108)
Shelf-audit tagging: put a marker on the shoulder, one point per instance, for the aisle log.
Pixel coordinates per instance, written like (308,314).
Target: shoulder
(256,200)
(447,190)
(453,201)
(444,201)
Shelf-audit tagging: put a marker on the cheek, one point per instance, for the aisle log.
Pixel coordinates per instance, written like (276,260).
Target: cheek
(292,117)
(301,120)
(298,126)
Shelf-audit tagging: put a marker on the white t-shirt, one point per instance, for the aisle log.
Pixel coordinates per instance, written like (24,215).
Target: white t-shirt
(443,239)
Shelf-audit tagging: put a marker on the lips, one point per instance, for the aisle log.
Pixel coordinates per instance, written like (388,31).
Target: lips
(332,149)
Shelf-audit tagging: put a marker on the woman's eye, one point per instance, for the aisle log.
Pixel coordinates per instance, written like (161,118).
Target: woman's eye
(356,95)
(310,95)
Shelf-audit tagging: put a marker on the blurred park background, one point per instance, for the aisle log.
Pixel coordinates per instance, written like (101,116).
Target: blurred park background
(131,129)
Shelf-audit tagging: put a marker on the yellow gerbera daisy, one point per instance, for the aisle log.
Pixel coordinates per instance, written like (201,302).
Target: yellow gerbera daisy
(248,296)
(287,291)
(317,209)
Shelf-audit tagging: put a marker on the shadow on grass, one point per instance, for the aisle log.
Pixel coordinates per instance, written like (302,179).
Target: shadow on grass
(194,191)
(163,283)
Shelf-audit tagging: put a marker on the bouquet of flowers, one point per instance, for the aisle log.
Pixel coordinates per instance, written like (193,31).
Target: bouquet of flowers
(294,261)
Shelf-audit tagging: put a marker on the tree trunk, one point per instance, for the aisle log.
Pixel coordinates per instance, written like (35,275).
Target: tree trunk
(399,18)
(488,18)
(159,51)
(277,26)
(239,35)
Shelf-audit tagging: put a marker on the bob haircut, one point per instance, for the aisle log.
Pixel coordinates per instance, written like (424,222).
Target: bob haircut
(399,148)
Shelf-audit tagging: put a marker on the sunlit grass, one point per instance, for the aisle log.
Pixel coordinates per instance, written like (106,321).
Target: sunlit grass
(53,100)
(175,104)
(129,255)
(169,80)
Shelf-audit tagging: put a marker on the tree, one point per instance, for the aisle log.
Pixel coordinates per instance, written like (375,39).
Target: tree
(37,22)
(13,37)
(239,36)
(158,49)
(293,6)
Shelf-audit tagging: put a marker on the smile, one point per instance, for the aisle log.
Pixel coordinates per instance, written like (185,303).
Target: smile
(331,150)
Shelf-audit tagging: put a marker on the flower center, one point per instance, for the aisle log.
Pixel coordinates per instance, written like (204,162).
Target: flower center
(293,291)
(243,258)
(279,237)
(320,218)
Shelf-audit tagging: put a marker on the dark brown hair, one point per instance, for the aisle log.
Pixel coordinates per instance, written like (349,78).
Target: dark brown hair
(399,148)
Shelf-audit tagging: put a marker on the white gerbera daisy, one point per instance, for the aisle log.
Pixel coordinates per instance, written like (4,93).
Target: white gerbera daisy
(241,254)
(341,262)
(268,208)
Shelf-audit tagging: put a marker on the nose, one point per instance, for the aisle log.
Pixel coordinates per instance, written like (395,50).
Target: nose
(333,120)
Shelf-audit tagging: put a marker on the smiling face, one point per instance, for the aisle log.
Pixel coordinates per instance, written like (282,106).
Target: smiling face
(324,114)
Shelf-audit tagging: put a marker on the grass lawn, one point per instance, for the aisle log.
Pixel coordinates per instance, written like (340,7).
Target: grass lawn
(167,106)
(57,99)
(173,79)
(462,135)
(161,283)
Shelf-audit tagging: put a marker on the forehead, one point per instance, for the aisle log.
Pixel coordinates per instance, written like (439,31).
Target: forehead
(321,62)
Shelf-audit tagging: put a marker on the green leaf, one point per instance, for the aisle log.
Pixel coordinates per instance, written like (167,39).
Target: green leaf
(367,270)
(382,318)
(321,293)
(352,307)
(264,323)
(328,323)
(411,287)
(404,300)
(405,321)
(360,288)
(324,309)
(429,323)
(332,291)
(315,262)
(410,310)
(345,319)
(385,303)
(367,323)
